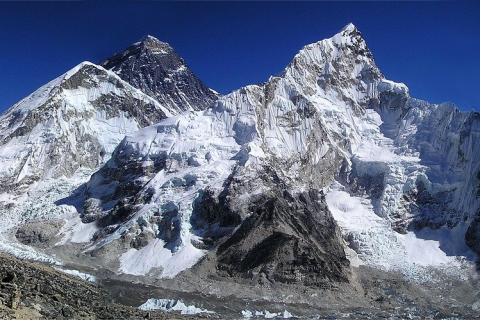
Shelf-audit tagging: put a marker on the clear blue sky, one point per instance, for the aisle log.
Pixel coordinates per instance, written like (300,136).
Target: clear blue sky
(433,47)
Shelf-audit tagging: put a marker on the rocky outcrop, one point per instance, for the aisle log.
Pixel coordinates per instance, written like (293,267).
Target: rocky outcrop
(289,238)
(472,236)
(212,218)
(38,233)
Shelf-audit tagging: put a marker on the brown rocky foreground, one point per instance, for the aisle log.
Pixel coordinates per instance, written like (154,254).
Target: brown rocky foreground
(32,291)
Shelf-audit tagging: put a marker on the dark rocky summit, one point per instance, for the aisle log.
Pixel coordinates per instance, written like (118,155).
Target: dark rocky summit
(287,238)
(155,68)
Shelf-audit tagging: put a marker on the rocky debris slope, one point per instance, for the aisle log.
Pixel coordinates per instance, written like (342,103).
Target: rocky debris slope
(155,68)
(286,238)
(32,291)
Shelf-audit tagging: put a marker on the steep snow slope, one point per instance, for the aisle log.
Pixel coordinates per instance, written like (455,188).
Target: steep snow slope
(74,121)
(155,68)
(419,170)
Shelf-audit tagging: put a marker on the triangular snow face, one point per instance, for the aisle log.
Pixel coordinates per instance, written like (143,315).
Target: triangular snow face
(155,68)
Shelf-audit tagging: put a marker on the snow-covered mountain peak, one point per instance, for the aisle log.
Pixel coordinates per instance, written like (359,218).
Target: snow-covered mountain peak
(225,171)
(330,116)
(349,32)
(340,68)
(349,36)
(73,122)
(78,67)
(297,128)
(69,88)
(86,74)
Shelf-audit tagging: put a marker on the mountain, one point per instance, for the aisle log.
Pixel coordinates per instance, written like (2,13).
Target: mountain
(73,121)
(330,139)
(326,185)
(54,139)
(155,68)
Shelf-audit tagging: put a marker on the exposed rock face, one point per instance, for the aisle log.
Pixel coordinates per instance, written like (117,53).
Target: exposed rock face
(155,68)
(472,236)
(286,238)
(212,218)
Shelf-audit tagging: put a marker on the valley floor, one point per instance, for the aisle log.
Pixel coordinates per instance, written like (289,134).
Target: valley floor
(371,294)
(35,291)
